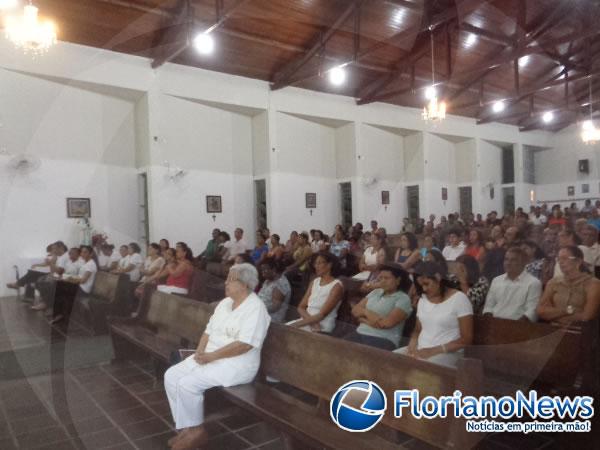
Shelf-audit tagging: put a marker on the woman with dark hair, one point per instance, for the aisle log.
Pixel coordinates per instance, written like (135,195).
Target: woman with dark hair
(437,257)
(108,259)
(408,254)
(275,291)
(444,324)
(153,264)
(339,246)
(169,258)
(301,255)
(372,258)
(319,306)
(37,271)
(466,271)
(317,241)
(428,245)
(260,250)
(133,264)
(277,250)
(475,247)
(164,245)
(557,219)
(72,287)
(383,312)
(574,296)
(535,258)
(178,272)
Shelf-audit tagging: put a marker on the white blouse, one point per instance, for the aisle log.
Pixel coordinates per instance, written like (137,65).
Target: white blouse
(318,297)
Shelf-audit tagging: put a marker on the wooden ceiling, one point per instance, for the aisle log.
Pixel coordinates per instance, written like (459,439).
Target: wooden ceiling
(537,55)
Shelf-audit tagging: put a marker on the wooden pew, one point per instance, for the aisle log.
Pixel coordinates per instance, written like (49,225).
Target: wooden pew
(165,324)
(206,287)
(109,296)
(320,364)
(522,355)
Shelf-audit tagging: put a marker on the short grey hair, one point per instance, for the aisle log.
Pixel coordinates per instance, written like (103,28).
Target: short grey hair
(246,274)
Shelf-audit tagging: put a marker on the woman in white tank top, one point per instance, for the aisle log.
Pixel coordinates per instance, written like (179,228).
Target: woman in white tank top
(319,306)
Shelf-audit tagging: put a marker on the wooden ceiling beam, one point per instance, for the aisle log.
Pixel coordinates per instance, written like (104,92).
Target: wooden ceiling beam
(283,77)
(496,38)
(181,25)
(189,23)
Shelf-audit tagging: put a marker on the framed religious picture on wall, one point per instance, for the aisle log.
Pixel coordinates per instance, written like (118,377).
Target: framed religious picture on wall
(444,193)
(571,191)
(311,200)
(213,204)
(585,188)
(79,207)
(385,197)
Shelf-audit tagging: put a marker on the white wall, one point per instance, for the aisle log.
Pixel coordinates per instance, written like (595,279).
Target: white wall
(489,170)
(557,168)
(380,168)
(215,148)
(440,172)
(85,141)
(105,116)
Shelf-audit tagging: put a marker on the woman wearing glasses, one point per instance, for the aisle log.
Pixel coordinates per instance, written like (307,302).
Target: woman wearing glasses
(574,296)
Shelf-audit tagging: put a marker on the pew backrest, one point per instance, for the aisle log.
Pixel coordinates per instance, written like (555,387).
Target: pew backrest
(534,352)
(176,316)
(110,287)
(320,365)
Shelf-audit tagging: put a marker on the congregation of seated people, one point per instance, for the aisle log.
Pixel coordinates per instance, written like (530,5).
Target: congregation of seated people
(415,293)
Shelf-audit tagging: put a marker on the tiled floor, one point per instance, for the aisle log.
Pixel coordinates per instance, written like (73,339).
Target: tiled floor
(58,390)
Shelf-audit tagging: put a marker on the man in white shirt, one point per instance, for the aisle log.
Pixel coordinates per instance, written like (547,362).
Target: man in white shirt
(515,294)
(537,218)
(73,263)
(590,247)
(455,247)
(235,247)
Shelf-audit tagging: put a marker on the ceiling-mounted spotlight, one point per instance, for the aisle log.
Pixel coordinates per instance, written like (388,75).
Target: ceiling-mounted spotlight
(498,106)
(204,43)
(430,92)
(471,39)
(337,76)
(524,61)
(548,117)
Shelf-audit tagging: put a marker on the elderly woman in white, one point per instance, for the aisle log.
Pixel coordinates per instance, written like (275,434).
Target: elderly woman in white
(228,354)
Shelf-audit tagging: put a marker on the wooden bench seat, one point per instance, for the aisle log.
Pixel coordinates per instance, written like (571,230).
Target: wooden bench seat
(319,365)
(299,422)
(165,324)
(522,355)
(109,297)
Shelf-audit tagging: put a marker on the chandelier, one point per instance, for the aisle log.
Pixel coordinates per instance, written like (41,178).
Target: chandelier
(589,133)
(29,33)
(434,110)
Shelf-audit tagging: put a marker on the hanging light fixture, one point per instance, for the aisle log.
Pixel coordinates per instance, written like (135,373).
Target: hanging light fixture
(589,133)
(434,110)
(29,33)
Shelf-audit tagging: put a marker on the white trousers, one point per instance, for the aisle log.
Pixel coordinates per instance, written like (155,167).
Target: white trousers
(186,382)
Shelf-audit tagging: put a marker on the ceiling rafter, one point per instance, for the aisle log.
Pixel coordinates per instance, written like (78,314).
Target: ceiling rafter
(187,23)
(283,77)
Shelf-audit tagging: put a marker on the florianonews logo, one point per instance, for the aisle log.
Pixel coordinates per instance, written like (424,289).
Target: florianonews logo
(358,406)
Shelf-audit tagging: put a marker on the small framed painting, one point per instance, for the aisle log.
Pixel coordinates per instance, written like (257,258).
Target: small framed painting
(78,208)
(585,188)
(311,200)
(213,204)
(571,191)
(385,197)
(444,193)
